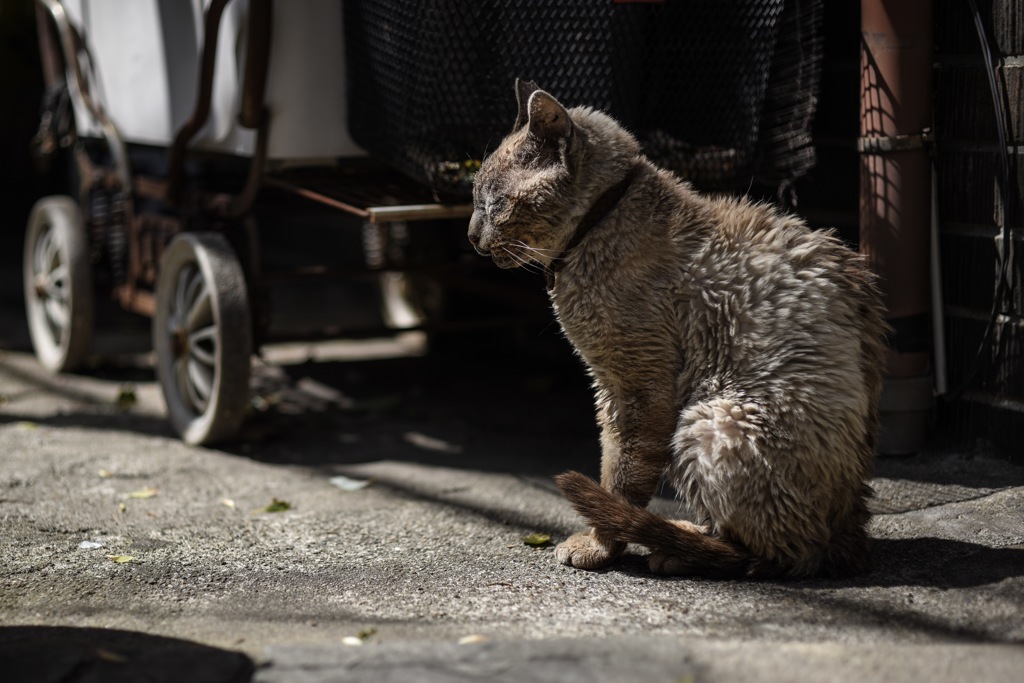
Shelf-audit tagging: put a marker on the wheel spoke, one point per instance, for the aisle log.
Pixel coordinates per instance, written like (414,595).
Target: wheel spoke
(57,314)
(195,400)
(202,344)
(178,305)
(184,379)
(42,252)
(52,247)
(185,388)
(201,312)
(56,292)
(195,286)
(57,277)
(201,381)
(51,252)
(57,288)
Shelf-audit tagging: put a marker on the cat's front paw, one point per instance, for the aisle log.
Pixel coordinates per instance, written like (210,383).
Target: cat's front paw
(585,551)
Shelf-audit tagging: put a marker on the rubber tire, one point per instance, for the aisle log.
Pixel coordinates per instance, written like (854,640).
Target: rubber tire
(66,350)
(228,331)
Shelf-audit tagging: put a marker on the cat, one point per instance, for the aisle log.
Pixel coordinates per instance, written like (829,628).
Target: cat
(734,351)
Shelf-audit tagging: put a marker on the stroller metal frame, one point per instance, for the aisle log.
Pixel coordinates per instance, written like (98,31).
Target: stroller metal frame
(179,243)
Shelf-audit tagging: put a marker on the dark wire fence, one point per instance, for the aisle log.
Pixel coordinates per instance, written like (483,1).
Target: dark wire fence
(720,91)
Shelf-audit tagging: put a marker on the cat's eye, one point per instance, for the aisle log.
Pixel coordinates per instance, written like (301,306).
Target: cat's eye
(496,205)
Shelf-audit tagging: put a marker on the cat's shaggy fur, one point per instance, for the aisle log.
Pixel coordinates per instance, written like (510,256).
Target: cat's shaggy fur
(733,350)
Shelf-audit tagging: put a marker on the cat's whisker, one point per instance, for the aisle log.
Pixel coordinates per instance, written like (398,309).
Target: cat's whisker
(539,267)
(524,250)
(522,260)
(549,254)
(530,264)
(514,248)
(539,250)
(521,243)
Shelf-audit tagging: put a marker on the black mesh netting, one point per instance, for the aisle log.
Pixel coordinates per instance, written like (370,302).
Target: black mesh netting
(720,91)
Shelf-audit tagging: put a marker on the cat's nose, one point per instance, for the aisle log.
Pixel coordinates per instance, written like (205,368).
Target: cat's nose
(474,239)
(476,233)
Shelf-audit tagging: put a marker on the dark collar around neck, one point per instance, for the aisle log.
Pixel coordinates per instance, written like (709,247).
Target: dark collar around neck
(597,212)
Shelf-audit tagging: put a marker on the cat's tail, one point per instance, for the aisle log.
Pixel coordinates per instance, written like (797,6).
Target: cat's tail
(618,519)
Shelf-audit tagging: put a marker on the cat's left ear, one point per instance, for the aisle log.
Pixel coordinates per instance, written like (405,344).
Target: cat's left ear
(523,91)
(548,120)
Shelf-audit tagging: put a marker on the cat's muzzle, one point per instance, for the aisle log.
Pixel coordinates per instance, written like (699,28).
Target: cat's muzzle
(499,253)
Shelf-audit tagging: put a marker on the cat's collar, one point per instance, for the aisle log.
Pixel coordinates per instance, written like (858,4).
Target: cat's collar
(597,212)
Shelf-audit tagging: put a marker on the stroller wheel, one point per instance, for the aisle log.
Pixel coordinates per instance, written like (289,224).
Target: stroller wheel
(58,284)
(202,334)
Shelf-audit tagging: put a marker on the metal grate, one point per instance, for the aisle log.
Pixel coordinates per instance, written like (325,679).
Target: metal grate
(717,90)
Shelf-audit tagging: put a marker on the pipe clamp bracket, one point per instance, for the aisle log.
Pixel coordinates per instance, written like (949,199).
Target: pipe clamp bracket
(883,144)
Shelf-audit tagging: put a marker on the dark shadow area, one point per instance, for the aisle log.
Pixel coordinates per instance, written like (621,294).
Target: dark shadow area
(500,400)
(55,384)
(495,513)
(21,91)
(117,333)
(945,465)
(64,654)
(483,403)
(13,330)
(935,563)
(919,562)
(139,424)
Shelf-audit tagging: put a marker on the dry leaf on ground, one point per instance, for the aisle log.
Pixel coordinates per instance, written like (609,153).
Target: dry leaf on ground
(537,540)
(276,505)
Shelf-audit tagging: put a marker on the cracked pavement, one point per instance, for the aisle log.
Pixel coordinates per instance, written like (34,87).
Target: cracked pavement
(411,566)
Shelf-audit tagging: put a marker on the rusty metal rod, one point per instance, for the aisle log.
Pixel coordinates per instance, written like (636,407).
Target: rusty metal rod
(201,112)
(257,61)
(254,112)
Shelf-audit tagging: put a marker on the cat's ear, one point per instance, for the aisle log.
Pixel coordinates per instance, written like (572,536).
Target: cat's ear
(548,119)
(523,91)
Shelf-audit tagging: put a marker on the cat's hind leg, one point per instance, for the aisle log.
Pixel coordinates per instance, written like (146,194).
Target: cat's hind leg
(737,465)
(672,563)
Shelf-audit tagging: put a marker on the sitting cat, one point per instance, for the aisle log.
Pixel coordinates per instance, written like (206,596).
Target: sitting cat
(733,350)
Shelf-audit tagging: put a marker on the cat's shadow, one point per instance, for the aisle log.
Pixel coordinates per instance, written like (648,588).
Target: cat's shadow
(937,563)
(925,562)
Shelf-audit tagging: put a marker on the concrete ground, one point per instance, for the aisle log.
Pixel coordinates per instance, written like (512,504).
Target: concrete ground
(410,484)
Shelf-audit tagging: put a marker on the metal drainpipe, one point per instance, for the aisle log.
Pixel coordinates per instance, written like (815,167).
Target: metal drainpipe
(895,203)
